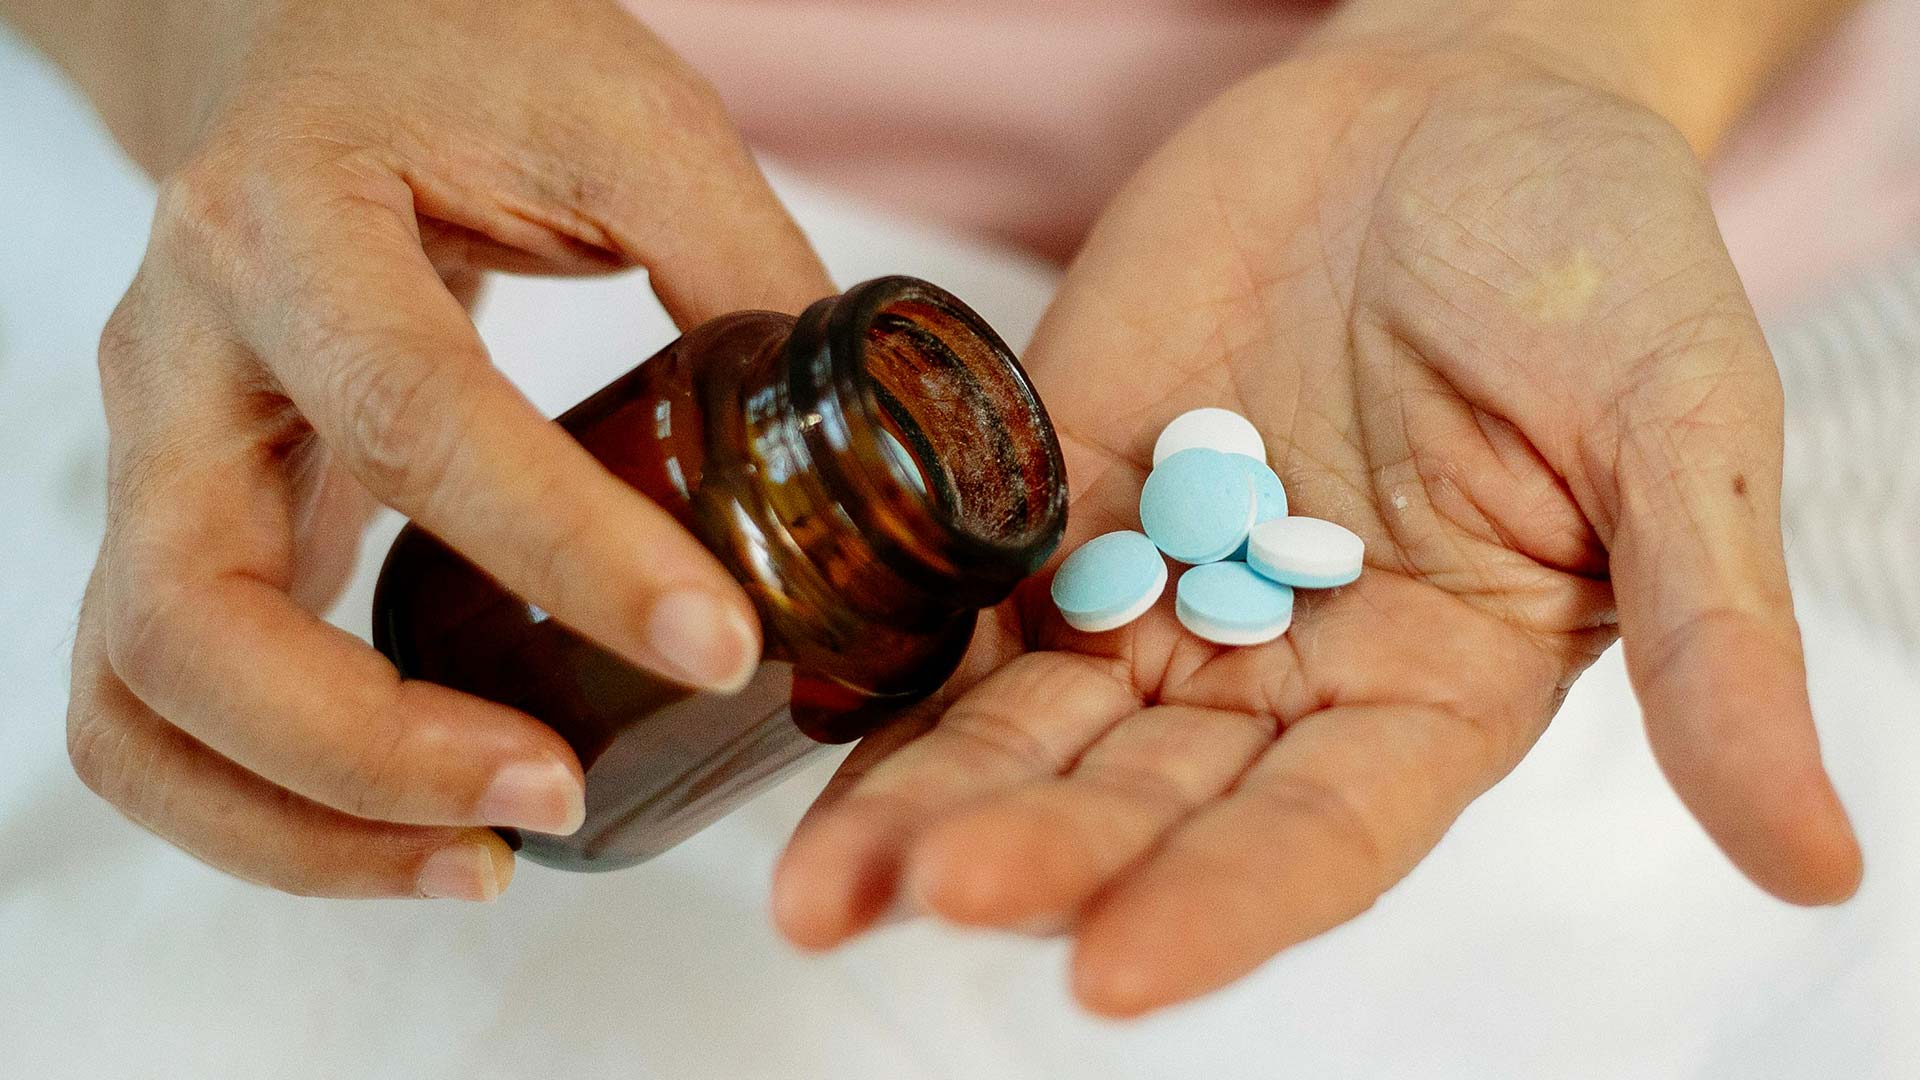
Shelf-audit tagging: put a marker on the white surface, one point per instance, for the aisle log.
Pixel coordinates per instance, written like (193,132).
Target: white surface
(1306,552)
(1574,924)
(1852,366)
(1214,429)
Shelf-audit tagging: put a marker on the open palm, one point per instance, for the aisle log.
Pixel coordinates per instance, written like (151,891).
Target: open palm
(1484,319)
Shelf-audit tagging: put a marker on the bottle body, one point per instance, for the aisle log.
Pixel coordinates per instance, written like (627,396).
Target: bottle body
(826,463)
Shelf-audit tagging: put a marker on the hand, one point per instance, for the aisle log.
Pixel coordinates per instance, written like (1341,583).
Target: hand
(295,346)
(1483,316)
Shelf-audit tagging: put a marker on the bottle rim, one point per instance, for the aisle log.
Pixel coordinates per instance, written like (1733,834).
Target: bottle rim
(935,530)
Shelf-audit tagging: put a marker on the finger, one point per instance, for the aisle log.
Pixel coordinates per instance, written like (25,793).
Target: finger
(235,821)
(385,365)
(1029,719)
(633,162)
(199,622)
(200,630)
(1334,813)
(1711,641)
(700,215)
(1032,857)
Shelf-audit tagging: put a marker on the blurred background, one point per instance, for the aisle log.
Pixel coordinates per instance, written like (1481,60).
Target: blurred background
(1574,923)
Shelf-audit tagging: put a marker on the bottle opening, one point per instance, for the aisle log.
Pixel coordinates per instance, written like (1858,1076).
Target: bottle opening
(937,431)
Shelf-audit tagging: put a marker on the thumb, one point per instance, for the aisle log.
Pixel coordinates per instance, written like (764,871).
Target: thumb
(1711,642)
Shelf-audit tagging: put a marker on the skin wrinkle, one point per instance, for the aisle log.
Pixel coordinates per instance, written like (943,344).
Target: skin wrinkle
(1127,778)
(1289,670)
(1003,735)
(1398,524)
(1591,565)
(1493,529)
(1482,243)
(1654,289)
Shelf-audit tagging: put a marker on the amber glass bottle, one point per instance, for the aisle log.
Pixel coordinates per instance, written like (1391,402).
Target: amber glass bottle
(874,472)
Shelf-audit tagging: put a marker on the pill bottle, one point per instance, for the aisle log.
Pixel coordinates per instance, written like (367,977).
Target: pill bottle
(874,473)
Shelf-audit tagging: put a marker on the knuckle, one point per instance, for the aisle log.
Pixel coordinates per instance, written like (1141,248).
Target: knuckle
(92,750)
(205,212)
(373,777)
(553,558)
(365,783)
(370,770)
(140,642)
(121,336)
(394,431)
(379,775)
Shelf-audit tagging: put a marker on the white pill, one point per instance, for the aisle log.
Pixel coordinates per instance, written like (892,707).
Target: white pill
(1306,553)
(1212,429)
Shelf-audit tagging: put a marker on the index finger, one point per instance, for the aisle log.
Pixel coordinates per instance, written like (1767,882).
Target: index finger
(1325,821)
(384,363)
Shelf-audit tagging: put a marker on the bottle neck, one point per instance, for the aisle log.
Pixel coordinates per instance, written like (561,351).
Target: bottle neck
(896,446)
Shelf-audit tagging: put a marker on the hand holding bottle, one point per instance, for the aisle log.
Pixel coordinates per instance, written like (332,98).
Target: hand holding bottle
(336,177)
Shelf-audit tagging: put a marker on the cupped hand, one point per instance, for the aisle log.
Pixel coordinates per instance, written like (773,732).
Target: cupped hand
(337,178)
(1484,318)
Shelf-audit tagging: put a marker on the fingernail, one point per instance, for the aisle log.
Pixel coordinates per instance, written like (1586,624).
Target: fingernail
(461,871)
(703,640)
(539,796)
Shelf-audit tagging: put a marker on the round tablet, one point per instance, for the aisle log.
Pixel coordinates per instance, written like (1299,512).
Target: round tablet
(1197,505)
(1269,495)
(1228,604)
(1109,582)
(1213,429)
(1305,552)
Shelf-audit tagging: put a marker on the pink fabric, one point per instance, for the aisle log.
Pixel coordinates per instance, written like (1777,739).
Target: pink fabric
(1014,117)
(1825,175)
(1019,118)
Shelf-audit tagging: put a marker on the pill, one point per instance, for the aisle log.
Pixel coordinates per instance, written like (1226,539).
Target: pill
(1305,552)
(1228,604)
(1269,495)
(1197,505)
(1212,429)
(1109,582)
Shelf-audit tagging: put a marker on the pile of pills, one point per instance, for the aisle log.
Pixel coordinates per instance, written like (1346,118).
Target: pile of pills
(1213,503)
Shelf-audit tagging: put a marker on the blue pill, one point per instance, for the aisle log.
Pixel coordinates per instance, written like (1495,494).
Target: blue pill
(1269,495)
(1228,603)
(1198,505)
(1109,582)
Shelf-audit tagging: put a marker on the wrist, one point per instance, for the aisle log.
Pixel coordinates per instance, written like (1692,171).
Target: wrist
(1699,65)
(147,66)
